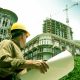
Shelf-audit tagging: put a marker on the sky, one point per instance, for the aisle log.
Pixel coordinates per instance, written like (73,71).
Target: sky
(32,13)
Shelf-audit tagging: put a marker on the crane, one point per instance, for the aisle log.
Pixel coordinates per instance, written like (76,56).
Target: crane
(67,8)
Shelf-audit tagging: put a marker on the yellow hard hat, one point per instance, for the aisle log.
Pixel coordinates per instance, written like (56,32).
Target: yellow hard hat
(21,27)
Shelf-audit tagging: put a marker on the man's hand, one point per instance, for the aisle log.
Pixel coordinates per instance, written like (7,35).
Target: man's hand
(37,64)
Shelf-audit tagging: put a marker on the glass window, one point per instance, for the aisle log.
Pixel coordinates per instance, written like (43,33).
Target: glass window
(40,42)
(30,55)
(34,53)
(56,51)
(35,57)
(44,41)
(1,31)
(5,32)
(39,56)
(47,49)
(47,56)
(41,49)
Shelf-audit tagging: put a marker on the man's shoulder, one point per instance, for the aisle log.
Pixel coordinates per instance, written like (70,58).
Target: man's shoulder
(6,41)
(5,44)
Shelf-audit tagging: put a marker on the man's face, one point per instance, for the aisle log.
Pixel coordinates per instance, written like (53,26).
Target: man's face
(23,40)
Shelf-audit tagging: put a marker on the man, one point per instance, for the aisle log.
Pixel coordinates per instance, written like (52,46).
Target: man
(11,57)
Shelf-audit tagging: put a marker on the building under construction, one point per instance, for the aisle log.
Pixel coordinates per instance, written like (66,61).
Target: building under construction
(7,18)
(58,28)
(56,37)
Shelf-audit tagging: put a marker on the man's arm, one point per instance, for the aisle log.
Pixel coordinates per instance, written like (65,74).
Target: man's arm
(17,64)
(36,64)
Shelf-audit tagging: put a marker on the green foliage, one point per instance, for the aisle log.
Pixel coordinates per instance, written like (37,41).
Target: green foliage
(75,74)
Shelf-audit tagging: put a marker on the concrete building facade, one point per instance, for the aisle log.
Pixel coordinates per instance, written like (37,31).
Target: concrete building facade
(7,18)
(46,45)
(49,44)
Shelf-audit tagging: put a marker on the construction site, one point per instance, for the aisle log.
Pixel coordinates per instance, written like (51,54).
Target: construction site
(56,36)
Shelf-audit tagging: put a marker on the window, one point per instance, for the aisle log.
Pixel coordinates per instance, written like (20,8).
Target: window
(29,55)
(41,49)
(40,42)
(47,49)
(5,32)
(39,56)
(1,31)
(46,56)
(35,57)
(34,53)
(56,50)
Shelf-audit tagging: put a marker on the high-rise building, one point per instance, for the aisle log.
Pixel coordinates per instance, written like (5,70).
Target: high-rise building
(51,42)
(58,28)
(7,18)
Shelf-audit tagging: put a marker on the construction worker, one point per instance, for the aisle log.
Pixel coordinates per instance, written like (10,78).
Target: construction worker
(11,57)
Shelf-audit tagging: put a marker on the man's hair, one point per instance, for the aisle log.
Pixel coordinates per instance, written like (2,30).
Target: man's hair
(17,32)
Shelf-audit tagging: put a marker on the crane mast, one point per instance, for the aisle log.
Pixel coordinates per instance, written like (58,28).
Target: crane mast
(67,9)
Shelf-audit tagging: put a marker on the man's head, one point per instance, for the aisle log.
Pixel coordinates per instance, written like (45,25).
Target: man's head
(20,33)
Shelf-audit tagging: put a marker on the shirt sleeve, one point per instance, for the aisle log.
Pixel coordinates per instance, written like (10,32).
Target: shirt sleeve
(7,61)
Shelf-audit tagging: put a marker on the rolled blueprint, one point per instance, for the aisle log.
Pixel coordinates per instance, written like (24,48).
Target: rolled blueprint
(59,66)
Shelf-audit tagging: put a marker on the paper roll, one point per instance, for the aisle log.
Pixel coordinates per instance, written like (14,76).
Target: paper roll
(59,66)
